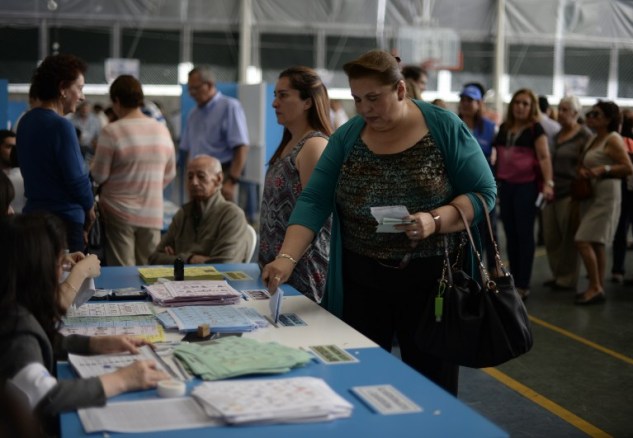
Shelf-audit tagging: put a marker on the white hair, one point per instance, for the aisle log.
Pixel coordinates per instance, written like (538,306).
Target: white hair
(573,102)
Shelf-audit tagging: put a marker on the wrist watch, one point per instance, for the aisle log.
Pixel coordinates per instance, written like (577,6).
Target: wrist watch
(550,183)
(607,169)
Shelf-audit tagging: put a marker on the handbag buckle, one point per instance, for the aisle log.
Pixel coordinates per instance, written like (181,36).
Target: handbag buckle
(492,285)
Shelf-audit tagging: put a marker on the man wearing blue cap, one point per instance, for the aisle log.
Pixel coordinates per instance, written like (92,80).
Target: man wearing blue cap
(470,110)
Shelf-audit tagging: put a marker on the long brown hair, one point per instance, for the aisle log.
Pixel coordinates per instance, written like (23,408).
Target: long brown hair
(534,111)
(31,246)
(310,86)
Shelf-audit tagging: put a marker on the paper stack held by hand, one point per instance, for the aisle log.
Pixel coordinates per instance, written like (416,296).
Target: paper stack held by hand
(193,292)
(262,401)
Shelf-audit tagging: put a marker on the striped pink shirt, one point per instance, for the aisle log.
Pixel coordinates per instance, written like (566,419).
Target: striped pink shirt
(134,161)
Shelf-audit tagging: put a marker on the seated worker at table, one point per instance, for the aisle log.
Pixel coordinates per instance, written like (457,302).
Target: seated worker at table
(32,308)
(208,229)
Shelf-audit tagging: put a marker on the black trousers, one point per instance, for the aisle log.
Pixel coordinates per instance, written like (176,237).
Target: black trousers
(381,302)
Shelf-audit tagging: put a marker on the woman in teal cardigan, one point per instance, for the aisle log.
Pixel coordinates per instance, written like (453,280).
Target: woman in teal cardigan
(397,151)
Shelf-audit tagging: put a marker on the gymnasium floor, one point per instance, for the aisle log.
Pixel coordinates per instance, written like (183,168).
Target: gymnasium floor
(578,379)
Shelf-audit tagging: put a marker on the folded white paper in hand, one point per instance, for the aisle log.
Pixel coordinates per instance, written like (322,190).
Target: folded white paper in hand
(85,291)
(390,216)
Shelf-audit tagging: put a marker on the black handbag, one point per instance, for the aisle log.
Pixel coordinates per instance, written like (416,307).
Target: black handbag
(471,324)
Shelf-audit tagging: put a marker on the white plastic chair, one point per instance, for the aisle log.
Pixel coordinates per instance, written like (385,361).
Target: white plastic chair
(251,236)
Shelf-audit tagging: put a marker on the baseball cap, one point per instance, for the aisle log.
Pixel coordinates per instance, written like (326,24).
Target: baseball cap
(472,92)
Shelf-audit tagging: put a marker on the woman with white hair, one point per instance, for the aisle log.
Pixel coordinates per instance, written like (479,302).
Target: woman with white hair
(560,217)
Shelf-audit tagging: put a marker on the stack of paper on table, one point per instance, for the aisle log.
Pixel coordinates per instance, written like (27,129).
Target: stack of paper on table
(130,318)
(151,275)
(110,309)
(234,356)
(153,415)
(97,365)
(193,292)
(221,319)
(293,400)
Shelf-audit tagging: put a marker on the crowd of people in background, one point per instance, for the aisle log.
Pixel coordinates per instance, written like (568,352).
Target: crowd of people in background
(126,151)
(317,231)
(533,156)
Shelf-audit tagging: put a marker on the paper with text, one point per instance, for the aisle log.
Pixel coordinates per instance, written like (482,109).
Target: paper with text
(146,416)
(390,216)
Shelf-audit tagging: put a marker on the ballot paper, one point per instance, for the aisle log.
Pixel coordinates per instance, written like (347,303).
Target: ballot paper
(221,319)
(390,216)
(193,292)
(234,356)
(97,365)
(150,275)
(147,416)
(142,326)
(110,310)
(253,401)
(269,401)
(275,304)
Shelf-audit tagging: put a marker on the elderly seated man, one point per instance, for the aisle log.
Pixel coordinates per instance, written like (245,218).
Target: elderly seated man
(208,229)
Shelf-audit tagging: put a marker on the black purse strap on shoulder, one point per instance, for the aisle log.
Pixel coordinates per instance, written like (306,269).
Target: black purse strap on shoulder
(485,277)
(499,266)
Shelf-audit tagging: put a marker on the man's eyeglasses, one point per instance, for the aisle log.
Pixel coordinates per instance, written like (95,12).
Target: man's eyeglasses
(592,114)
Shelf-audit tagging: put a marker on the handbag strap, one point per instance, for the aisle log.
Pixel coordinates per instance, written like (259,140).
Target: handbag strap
(447,274)
(485,277)
(499,266)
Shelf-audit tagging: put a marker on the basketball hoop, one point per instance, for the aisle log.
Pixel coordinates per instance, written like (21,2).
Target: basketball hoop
(436,64)
(431,48)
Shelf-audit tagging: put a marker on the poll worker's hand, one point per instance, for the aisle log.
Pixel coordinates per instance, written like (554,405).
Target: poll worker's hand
(89,267)
(277,272)
(142,374)
(169,250)
(72,259)
(115,344)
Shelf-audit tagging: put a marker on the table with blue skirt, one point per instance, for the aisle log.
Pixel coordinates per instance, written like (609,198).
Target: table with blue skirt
(441,414)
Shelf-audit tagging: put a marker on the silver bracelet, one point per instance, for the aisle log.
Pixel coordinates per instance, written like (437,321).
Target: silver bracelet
(287,256)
